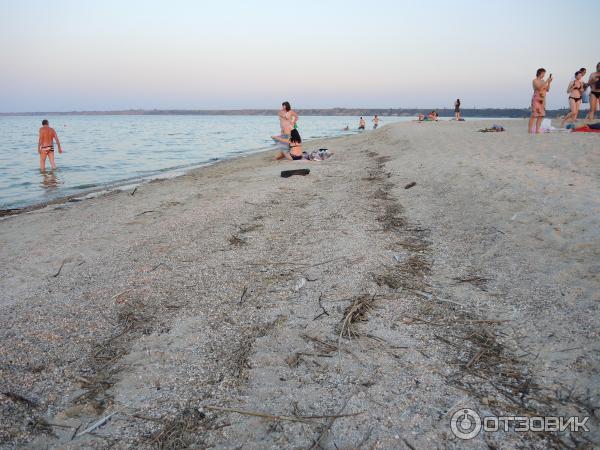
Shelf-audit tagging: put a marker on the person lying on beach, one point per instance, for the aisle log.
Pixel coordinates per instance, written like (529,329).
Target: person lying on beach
(295,148)
(433,115)
(421,117)
(375,122)
(575,91)
(46,145)
(538,101)
(361,124)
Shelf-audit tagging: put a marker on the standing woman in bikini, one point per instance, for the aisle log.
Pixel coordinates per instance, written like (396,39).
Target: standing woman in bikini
(538,101)
(290,118)
(594,82)
(575,91)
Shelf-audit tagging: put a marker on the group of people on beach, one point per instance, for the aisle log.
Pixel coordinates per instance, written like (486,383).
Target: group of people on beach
(288,124)
(576,90)
(433,115)
(362,123)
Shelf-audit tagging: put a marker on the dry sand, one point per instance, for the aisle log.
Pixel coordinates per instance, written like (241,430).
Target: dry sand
(337,294)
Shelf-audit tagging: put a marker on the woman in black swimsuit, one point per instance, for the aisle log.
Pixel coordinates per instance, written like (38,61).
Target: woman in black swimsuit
(294,148)
(457,109)
(575,91)
(594,82)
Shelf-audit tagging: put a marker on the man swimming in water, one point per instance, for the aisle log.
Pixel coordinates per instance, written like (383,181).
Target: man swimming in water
(46,145)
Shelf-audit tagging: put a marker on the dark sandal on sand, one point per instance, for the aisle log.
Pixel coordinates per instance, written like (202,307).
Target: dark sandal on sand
(289,173)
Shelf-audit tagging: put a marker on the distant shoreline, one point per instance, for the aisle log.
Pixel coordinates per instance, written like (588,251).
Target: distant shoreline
(400,112)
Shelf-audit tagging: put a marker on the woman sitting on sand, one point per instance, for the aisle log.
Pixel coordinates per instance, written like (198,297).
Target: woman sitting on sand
(538,101)
(575,91)
(295,147)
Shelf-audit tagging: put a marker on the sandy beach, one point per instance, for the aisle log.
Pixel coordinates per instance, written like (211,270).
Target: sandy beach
(232,308)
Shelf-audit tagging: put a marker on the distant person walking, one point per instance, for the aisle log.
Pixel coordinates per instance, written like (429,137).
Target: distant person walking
(375,122)
(575,91)
(361,124)
(46,145)
(594,83)
(457,109)
(538,101)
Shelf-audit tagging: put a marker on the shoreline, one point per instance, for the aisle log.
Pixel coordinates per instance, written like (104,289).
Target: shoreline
(230,288)
(161,174)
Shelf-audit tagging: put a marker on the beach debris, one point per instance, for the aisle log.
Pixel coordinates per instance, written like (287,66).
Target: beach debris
(236,240)
(179,431)
(243,294)
(327,428)
(357,311)
(133,192)
(9,212)
(493,129)
(293,360)
(248,228)
(20,399)
(324,313)
(97,424)
(289,173)
(299,418)
(325,347)
(144,212)
(475,280)
(411,184)
(60,268)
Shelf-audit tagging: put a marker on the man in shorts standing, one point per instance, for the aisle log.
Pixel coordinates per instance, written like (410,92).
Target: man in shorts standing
(46,145)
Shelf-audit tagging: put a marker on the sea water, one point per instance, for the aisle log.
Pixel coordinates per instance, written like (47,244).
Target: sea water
(112,150)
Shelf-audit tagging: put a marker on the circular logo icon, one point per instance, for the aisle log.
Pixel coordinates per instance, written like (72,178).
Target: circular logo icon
(465,424)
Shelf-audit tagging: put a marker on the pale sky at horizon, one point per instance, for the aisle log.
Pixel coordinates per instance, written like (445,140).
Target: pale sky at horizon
(185,54)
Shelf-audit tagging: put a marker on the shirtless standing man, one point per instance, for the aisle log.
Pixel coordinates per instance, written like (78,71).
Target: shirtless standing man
(594,83)
(46,145)
(361,124)
(375,122)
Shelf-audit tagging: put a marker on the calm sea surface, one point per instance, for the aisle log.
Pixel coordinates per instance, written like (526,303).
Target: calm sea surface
(114,150)
(111,150)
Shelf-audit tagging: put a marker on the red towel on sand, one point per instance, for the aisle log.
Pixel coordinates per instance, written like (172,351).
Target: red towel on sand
(586,129)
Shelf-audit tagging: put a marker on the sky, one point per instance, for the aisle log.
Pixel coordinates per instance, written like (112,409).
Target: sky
(65,55)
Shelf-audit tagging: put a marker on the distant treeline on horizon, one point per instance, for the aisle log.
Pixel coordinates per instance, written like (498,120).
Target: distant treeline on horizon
(407,112)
